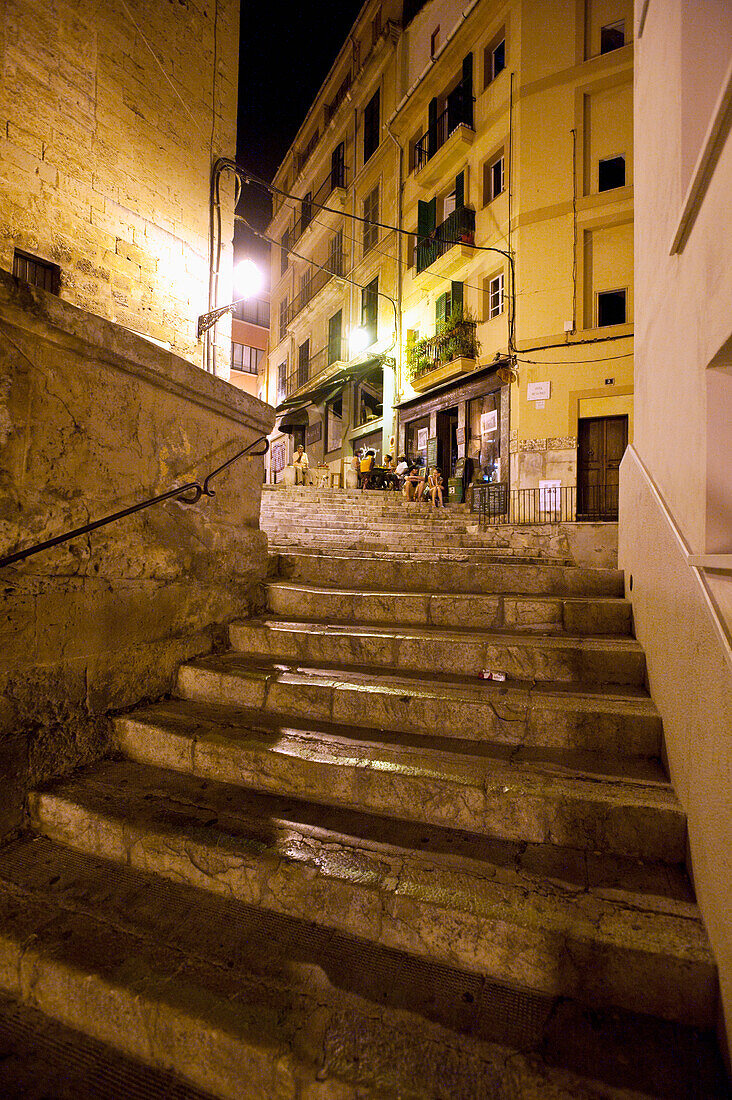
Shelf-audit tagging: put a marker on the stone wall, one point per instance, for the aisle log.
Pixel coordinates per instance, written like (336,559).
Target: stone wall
(92,420)
(105,155)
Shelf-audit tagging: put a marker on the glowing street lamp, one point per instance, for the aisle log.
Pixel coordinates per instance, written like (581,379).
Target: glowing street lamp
(248,282)
(358,341)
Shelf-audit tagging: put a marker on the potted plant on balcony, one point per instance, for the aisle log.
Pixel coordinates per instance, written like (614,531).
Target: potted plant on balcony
(457,336)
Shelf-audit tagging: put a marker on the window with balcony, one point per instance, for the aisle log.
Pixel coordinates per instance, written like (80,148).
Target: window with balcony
(338,166)
(612,36)
(281,381)
(338,98)
(303,363)
(611,308)
(445,303)
(306,211)
(370,310)
(371,217)
(284,251)
(445,114)
(283,318)
(245,358)
(495,57)
(495,296)
(255,311)
(335,253)
(494,178)
(456,227)
(371,126)
(335,336)
(611,173)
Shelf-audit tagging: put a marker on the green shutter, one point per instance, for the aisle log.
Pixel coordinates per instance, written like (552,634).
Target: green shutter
(459,190)
(456,294)
(440,311)
(426,218)
(468,89)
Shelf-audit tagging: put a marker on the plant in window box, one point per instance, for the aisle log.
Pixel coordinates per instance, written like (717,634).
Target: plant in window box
(418,360)
(456,337)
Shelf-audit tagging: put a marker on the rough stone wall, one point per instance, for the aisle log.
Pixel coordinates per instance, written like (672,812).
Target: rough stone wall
(92,420)
(105,159)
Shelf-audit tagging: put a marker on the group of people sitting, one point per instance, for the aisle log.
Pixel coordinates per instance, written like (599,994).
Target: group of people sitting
(415,481)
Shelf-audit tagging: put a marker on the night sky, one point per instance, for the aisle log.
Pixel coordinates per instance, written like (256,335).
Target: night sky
(285,53)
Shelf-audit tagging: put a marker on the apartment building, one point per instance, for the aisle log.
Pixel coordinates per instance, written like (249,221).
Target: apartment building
(335,317)
(516,122)
(249,343)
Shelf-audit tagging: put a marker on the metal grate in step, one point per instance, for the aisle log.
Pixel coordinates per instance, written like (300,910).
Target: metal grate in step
(41,1059)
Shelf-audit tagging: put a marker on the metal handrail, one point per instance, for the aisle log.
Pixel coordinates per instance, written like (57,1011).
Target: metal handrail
(197,489)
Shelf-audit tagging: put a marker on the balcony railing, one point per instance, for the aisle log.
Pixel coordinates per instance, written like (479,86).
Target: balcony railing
(333,351)
(310,207)
(456,226)
(459,112)
(551,504)
(459,341)
(334,265)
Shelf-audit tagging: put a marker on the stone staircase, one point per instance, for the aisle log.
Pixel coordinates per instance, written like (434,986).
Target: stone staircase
(338,864)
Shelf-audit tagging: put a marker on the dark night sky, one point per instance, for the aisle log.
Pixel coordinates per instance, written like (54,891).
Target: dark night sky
(286,50)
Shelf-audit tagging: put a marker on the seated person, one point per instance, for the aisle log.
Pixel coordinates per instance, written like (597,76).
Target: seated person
(389,475)
(401,467)
(302,467)
(366,466)
(434,488)
(414,484)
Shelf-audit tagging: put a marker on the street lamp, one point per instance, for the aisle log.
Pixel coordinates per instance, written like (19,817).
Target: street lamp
(247,282)
(358,341)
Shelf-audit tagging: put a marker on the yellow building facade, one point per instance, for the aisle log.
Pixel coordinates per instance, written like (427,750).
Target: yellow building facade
(504,162)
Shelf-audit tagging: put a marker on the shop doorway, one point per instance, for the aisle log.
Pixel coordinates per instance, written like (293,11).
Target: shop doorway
(601,443)
(447,446)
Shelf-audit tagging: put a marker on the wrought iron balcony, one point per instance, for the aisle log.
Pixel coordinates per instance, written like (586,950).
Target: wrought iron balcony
(310,206)
(334,265)
(458,341)
(459,112)
(457,228)
(333,352)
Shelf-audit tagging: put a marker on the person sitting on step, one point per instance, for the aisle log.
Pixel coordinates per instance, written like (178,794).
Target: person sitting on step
(414,484)
(302,466)
(433,488)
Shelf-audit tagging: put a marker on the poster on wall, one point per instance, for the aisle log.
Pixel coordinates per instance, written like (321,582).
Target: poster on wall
(422,437)
(489,422)
(278,457)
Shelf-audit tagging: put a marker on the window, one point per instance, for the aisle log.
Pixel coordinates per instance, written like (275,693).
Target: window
(255,311)
(303,363)
(305,285)
(369,398)
(334,423)
(494,179)
(31,269)
(435,41)
(371,126)
(376,28)
(610,308)
(612,36)
(245,358)
(495,57)
(340,95)
(283,317)
(371,215)
(335,253)
(370,309)
(306,215)
(611,173)
(284,251)
(445,303)
(495,295)
(335,328)
(281,381)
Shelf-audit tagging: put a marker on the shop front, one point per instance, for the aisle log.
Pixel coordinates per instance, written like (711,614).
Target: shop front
(463,420)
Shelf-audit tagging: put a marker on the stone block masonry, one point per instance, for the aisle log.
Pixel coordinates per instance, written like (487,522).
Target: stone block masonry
(92,420)
(105,160)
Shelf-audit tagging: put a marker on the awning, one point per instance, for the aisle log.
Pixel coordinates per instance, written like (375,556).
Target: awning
(293,418)
(330,382)
(451,384)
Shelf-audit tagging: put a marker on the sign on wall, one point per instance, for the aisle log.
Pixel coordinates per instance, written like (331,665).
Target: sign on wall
(314,432)
(432,451)
(489,422)
(422,437)
(538,391)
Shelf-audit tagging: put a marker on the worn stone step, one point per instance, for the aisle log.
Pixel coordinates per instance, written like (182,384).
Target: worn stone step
(638,953)
(41,1059)
(521,656)
(376,572)
(633,814)
(539,614)
(249,1005)
(613,721)
(119,950)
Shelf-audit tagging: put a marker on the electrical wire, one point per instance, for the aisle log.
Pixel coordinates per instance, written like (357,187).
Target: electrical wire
(572,362)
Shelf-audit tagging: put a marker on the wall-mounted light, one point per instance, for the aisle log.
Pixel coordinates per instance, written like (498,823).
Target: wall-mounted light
(248,281)
(358,341)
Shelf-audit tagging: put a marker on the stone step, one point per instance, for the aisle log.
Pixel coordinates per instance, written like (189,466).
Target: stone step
(615,721)
(630,812)
(634,952)
(378,571)
(448,552)
(188,978)
(540,614)
(41,1059)
(520,656)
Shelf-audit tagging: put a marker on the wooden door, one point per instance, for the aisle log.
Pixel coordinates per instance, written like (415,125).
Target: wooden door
(601,444)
